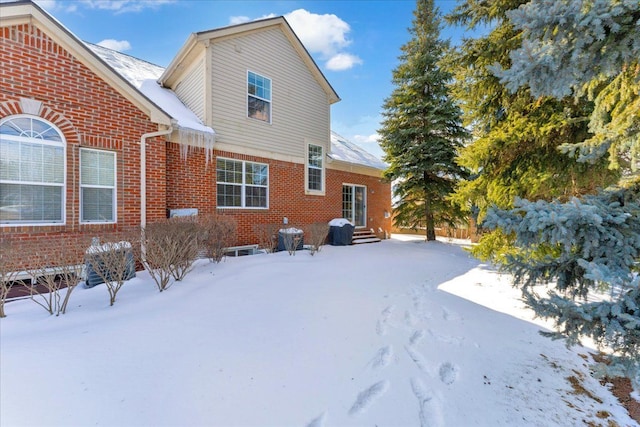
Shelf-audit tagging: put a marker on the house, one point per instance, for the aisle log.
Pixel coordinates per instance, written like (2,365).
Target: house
(94,141)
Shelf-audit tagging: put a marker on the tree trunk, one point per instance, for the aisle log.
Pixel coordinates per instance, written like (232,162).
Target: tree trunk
(431,229)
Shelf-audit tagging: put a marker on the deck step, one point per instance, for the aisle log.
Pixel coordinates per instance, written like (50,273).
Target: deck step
(364,236)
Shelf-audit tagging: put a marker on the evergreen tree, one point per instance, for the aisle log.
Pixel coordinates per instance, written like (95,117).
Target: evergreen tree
(517,137)
(421,131)
(588,49)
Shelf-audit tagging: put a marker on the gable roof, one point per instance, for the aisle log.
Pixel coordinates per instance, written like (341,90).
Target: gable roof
(346,151)
(197,41)
(26,11)
(143,76)
(138,80)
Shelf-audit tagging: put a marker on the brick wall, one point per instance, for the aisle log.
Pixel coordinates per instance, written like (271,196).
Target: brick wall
(90,113)
(192,184)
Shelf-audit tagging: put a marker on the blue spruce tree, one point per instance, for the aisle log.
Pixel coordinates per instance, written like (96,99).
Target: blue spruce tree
(588,49)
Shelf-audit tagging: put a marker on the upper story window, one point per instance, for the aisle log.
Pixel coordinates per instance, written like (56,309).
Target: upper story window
(242,184)
(315,168)
(258,97)
(32,172)
(97,186)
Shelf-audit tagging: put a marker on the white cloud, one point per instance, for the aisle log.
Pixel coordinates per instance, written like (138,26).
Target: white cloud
(342,61)
(122,6)
(325,35)
(235,20)
(366,139)
(370,143)
(46,4)
(119,45)
(52,5)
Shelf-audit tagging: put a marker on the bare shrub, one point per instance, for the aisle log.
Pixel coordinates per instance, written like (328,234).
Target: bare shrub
(159,252)
(8,271)
(291,239)
(186,235)
(218,233)
(267,236)
(316,236)
(113,262)
(54,272)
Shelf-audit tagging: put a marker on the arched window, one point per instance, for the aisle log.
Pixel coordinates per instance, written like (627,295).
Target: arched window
(32,172)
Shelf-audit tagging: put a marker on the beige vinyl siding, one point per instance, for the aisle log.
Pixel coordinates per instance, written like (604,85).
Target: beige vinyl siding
(190,89)
(300,107)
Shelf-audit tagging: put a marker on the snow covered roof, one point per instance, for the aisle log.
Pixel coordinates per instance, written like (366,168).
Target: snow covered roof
(346,151)
(144,75)
(133,69)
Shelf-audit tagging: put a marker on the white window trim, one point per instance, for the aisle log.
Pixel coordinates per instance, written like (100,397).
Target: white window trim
(270,101)
(115,187)
(243,185)
(366,199)
(62,144)
(308,191)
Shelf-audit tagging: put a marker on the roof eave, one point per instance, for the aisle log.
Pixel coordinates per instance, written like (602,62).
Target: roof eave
(184,54)
(347,166)
(202,38)
(28,11)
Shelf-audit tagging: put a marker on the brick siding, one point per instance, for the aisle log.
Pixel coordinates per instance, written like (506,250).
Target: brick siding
(89,113)
(192,184)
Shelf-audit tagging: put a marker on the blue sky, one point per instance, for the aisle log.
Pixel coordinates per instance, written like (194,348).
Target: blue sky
(356,43)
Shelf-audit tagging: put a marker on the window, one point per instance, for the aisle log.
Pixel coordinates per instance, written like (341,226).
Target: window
(259,97)
(32,172)
(354,204)
(242,184)
(97,186)
(315,179)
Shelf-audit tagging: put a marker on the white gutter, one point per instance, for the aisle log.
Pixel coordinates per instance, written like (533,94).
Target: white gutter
(143,170)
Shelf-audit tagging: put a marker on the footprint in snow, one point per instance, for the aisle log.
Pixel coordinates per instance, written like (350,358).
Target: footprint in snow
(419,359)
(450,315)
(319,421)
(382,357)
(416,337)
(447,339)
(430,408)
(366,397)
(410,319)
(381,327)
(448,373)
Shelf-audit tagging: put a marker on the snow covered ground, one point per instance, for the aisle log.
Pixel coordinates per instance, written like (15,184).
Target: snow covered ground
(398,333)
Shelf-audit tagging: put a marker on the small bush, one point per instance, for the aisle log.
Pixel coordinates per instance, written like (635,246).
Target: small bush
(186,234)
(113,262)
(55,271)
(316,236)
(291,238)
(8,271)
(159,252)
(218,233)
(267,236)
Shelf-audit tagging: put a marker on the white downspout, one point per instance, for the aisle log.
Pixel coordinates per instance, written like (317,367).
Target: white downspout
(143,170)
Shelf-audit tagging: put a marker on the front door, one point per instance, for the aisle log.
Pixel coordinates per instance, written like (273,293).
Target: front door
(354,204)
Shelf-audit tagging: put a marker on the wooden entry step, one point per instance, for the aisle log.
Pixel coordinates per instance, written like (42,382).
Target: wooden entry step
(361,235)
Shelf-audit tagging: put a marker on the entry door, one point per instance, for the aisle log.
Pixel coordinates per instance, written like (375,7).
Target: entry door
(354,204)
